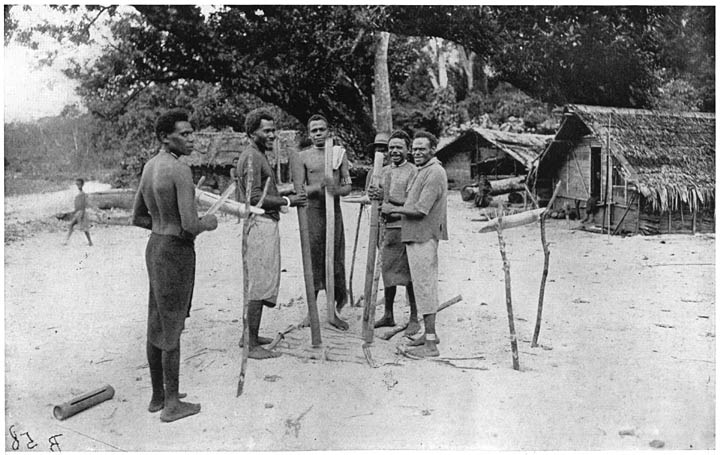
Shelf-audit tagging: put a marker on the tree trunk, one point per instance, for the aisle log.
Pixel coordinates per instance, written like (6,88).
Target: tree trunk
(503,186)
(382,84)
(442,64)
(468,64)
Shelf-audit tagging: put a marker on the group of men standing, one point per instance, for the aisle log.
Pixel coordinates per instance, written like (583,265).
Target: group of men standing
(413,206)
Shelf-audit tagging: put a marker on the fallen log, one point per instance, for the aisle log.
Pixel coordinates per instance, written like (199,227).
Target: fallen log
(229,206)
(504,186)
(112,199)
(511,221)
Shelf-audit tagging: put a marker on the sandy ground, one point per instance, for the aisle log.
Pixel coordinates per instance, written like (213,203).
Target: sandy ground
(627,355)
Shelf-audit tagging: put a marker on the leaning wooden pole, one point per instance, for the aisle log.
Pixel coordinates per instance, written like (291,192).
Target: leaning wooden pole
(298,180)
(508,298)
(329,234)
(369,324)
(246,280)
(546,264)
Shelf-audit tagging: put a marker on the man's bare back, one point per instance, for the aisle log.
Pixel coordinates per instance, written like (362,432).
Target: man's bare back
(167,196)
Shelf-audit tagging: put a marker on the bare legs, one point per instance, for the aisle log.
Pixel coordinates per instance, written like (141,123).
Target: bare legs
(256,351)
(164,375)
(388,319)
(426,346)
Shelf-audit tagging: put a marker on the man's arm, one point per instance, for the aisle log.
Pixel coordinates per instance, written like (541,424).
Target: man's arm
(185,193)
(430,192)
(141,215)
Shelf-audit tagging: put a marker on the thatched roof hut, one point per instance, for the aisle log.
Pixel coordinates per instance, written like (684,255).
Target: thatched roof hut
(481,151)
(219,148)
(670,156)
(638,163)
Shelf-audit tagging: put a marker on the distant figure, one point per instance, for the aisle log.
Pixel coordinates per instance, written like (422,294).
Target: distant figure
(79,218)
(591,207)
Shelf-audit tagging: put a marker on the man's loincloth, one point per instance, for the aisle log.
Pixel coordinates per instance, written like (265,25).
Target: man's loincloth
(263,259)
(395,268)
(423,261)
(170,262)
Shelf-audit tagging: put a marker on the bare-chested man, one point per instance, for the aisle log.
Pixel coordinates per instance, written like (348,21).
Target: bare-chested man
(263,241)
(165,204)
(313,160)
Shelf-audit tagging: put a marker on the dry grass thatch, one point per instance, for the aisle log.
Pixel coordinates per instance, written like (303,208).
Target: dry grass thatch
(213,148)
(523,147)
(669,156)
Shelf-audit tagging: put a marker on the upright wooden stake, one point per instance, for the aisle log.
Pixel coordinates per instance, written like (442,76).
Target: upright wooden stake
(246,281)
(354,253)
(329,234)
(297,174)
(369,324)
(276,146)
(376,281)
(608,177)
(546,264)
(508,297)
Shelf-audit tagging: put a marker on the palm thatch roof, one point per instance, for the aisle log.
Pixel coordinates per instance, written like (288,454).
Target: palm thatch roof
(523,147)
(219,148)
(669,156)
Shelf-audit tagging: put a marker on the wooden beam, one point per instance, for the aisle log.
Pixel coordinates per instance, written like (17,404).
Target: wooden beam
(329,234)
(297,174)
(368,324)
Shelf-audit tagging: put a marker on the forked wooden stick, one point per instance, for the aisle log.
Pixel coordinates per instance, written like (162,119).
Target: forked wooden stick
(546,264)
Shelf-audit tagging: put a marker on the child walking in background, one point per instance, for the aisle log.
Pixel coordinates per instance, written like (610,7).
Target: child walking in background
(79,218)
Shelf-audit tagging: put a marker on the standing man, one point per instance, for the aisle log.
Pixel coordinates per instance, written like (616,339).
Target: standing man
(165,204)
(313,161)
(380,144)
(424,224)
(394,184)
(80,218)
(263,242)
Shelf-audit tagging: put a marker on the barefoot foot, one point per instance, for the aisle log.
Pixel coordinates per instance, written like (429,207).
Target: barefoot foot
(259,353)
(261,340)
(421,341)
(385,321)
(179,410)
(412,328)
(339,323)
(426,350)
(157,403)
(305,322)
